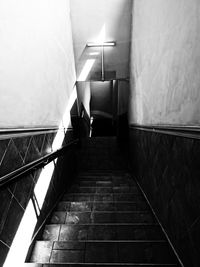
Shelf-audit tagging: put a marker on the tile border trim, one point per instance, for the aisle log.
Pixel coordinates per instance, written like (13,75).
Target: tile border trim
(192,132)
(21,132)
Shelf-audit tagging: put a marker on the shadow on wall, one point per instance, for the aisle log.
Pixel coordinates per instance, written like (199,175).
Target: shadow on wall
(168,169)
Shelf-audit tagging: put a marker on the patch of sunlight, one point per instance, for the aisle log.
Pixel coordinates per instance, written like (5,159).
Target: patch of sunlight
(17,253)
(65,122)
(86,70)
(43,183)
(102,35)
(90,62)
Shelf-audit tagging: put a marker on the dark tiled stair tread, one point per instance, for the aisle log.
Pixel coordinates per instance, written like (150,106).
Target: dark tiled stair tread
(127,197)
(98,265)
(63,232)
(62,217)
(122,206)
(104,189)
(103,252)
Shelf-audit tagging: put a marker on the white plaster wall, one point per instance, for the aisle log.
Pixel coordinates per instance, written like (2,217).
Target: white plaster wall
(88,19)
(37,72)
(165,62)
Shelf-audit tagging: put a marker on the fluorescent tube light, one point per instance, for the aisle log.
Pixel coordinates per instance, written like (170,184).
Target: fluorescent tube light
(101,44)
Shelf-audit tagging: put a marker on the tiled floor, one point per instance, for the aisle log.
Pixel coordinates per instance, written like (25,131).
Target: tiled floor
(103,219)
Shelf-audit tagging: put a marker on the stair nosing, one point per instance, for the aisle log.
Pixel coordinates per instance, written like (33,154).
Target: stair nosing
(105,224)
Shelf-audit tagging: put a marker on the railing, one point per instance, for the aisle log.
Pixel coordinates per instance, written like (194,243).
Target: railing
(176,130)
(34,165)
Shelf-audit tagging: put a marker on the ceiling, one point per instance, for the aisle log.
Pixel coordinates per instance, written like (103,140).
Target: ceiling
(92,18)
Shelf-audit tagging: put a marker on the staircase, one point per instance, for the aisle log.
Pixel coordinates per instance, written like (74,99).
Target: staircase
(103,219)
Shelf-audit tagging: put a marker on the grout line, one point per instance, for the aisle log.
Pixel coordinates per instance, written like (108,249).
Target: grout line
(113,264)
(14,197)
(111,211)
(108,224)
(29,144)
(104,202)
(108,241)
(5,151)
(51,252)
(5,244)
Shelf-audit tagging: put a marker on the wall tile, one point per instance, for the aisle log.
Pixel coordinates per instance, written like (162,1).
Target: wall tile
(3,147)
(11,161)
(168,168)
(33,152)
(22,145)
(14,198)
(23,190)
(13,219)
(39,140)
(5,200)
(3,252)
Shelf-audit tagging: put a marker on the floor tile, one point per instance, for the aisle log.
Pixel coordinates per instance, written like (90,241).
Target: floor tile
(67,245)
(41,252)
(104,206)
(73,232)
(79,189)
(126,197)
(103,217)
(101,252)
(104,183)
(59,256)
(145,252)
(103,190)
(131,206)
(51,232)
(102,232)
(58,217)
(63,206)
(78,218)
(81,206)
(103,197)
(134,217)
(83,197)
(136,232)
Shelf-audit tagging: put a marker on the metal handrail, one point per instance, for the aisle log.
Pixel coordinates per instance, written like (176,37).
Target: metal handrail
(180,131)
(34,165)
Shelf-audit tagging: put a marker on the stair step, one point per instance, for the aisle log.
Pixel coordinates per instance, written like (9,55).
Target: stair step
(127,197)
(102,189)
(104,205)
(103,183)
(103,252)
(97,264)
(62,217)
(63,232)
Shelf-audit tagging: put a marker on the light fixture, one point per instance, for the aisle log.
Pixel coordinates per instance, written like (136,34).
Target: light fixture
(101,44)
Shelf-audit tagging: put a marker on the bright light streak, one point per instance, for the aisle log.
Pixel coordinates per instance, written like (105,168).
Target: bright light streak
(86,70)
(65,122)
(94,53)
(43,183)
(17,253)
(66,117)
(101,44)
(102,35)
